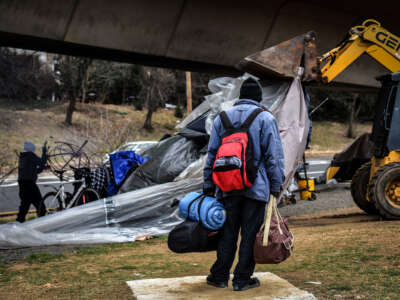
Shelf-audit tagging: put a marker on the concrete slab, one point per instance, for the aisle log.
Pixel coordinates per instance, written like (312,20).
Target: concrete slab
(194,287)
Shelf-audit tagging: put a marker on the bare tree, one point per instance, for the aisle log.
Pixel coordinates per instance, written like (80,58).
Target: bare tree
(23,76)
(73,78)
(159,85)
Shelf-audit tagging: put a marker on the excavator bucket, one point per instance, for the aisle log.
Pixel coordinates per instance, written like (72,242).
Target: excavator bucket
(284,59)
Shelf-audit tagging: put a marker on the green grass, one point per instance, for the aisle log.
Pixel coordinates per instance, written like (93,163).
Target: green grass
(43,257)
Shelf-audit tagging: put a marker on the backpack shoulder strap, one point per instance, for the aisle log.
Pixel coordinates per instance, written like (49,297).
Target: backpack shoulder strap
(251,117)
(225,120)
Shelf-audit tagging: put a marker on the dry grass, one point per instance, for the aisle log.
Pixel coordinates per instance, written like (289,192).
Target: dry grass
(354,256)
(329,138)
(106,126)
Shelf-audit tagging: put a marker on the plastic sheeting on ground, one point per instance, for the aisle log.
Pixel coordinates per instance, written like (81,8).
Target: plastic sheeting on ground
(121,218)
(153,210)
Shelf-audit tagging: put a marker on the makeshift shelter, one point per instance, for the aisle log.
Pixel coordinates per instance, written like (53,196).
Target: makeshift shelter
(148,199)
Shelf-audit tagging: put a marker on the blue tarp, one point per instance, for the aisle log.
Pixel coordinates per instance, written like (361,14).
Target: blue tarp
(121,163)
(212,212)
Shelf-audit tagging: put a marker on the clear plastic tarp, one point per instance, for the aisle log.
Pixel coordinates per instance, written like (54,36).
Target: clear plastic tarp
(152,209)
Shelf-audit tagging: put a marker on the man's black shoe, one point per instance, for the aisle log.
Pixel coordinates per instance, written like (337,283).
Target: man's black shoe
(252,283)
(218,284)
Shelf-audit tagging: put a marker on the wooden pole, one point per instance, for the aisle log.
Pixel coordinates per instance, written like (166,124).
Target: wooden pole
(188,92)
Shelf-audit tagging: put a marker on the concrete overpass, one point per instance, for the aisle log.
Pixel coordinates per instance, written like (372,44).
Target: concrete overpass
(201,35)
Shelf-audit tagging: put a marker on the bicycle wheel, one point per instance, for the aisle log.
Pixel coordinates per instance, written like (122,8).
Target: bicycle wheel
(63,154)
(87,195)
(52,203)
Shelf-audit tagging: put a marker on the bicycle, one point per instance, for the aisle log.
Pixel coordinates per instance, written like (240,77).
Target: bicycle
(59,199)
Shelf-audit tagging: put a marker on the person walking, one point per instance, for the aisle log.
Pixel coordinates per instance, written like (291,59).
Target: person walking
(245,208)
(30,165)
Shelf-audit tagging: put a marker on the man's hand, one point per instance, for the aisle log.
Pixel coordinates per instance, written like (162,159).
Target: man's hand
(209,191)
(275,194)
(44,148)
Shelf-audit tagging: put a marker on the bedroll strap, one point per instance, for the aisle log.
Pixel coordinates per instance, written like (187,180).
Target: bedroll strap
(251,117)
(191,202)
(225,120)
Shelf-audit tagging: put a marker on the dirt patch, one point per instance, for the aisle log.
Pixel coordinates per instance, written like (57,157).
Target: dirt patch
(339,216)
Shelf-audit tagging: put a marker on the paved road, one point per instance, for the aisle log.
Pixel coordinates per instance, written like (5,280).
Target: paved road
(9,199)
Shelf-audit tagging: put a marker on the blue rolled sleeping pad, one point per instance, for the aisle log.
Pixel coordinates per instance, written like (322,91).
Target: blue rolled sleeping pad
(212,212)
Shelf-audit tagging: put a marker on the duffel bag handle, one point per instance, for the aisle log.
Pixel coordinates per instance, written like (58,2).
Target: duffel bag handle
(269,210)
(272,208)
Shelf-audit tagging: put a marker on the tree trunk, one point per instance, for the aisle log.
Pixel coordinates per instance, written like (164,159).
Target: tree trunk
(150,106)
(84,84)
(71,94)
(85,65)
(353,114)
(70,111)
(123,93)
(147,122)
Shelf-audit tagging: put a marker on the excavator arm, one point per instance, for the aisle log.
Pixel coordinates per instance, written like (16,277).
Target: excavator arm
(285,59)
(369,38)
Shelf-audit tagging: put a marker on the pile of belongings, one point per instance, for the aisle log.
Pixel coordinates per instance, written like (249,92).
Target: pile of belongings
(122,164)
(199,232)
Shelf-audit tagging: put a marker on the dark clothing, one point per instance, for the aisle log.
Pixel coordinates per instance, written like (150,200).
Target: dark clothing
(29,194)
(251,89)
(30,165)
(245,214)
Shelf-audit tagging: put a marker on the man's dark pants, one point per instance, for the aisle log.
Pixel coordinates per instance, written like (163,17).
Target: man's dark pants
(29,194)
(245,214)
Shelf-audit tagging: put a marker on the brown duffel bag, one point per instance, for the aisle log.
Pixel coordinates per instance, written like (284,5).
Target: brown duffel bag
(274,241)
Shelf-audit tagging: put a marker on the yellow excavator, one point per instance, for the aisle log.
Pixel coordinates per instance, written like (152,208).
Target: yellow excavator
(375,186)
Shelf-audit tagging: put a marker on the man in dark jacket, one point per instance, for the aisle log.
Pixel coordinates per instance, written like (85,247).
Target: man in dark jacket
(30,165)
(245,208)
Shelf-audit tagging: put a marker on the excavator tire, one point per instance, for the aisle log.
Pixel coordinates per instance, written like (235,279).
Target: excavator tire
(359,186)
(384,189)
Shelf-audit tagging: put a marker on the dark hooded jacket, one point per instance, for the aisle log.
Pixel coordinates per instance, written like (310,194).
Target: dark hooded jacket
(30,165)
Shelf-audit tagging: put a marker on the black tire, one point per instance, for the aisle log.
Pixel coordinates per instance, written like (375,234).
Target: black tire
(385,189)
(87,195)
(359,189)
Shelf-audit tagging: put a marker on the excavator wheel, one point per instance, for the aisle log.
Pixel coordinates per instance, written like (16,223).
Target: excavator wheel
(359,186)
(385,190)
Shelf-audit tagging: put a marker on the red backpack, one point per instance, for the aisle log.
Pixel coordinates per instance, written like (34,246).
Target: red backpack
(234,167)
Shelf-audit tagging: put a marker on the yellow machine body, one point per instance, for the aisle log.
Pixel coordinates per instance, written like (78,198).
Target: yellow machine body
(376,163)
(331,172)
(306,187)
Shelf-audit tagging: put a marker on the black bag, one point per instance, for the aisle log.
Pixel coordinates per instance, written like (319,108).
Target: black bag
(192,236)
